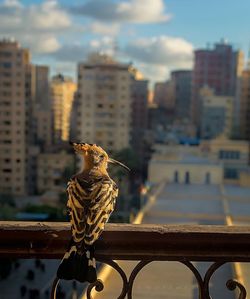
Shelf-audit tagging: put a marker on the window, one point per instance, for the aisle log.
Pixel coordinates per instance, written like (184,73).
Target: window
(231,173)
(6,65)
(187,177)
(233,155)
(6,54)
(176,177)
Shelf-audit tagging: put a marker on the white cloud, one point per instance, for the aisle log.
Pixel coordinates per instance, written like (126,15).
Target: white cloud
(76,52)
(125,11)
(12,3)
(48,16)
(104,29)
(36,26)
(42,44)
(154,73)
(162,50)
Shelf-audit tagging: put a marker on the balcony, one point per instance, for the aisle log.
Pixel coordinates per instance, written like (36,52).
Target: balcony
(142,243)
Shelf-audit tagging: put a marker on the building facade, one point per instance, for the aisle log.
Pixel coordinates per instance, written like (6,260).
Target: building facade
(164,94)
(233,154)
(244,99)
(183,165)
(216,114)
(14,63)
(104,103)
(139,93)
(51,171)
(217,68)
(62,92)
(182,81)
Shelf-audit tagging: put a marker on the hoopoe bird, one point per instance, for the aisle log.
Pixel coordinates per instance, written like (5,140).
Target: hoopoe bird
(91,200)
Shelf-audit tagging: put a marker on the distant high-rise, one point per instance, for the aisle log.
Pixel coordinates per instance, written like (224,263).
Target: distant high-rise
(62,91)
(182,80)
(244,96)
(164,94)
(139,93)
(14,62)
(40,110)
(217,68)
(216,114)
(104,103)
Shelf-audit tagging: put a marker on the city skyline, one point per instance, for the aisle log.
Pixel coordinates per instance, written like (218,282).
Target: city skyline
(157,36)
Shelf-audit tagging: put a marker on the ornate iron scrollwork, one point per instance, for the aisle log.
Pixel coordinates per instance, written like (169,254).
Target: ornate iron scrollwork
(233,284)
(204,283)
(127,287)
(99,286)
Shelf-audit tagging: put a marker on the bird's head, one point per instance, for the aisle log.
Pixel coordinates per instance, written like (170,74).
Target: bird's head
(95,156)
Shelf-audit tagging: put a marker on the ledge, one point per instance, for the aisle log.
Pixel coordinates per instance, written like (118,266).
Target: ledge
(130,242)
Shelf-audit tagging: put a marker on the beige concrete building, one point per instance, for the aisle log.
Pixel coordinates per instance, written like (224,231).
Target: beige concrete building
(234,154)
(244,96)
(51,169)
(216,114)
(42,111)
(14,62)
(62,91)
(104,103)
(39,120)
(183,164)
(219,68)
(212,162)
(164,94)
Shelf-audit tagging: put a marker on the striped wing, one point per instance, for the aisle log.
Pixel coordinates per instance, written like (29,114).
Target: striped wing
(90,204)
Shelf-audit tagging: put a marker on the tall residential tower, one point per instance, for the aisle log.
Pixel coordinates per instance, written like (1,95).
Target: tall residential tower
(217,68)
(104,103)
(14,65)
(62,92)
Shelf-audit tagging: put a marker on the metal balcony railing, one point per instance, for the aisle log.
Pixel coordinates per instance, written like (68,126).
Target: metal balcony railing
(145,243)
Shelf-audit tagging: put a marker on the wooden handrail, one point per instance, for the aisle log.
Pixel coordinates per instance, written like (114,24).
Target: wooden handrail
(130,242)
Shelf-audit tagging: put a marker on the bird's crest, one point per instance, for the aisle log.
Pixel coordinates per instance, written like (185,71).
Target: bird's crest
(81,148)
(91,151)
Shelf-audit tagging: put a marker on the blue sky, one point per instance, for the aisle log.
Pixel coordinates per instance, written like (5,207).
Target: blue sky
(156,35)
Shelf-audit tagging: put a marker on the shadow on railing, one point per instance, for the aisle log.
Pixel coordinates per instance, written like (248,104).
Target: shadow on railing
(144,243)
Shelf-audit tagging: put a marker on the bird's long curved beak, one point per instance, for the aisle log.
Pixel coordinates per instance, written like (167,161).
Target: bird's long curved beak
(113,161)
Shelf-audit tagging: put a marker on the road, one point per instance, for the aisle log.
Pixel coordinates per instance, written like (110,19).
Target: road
(186,204)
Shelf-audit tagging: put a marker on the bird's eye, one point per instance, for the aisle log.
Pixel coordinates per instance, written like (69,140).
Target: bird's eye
(101,156)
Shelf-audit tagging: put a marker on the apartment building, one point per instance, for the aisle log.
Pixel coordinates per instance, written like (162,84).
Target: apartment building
(104,103)
(216,114)
(234,154)
(51,171)
(62,91)
(182,80)
(139,115)
(14,62)
(218,68)
(244,99)
(42,108)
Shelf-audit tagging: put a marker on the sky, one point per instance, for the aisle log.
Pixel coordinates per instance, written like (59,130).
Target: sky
(157,36)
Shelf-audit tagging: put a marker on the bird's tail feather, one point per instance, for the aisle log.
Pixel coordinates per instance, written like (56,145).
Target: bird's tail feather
(78,266)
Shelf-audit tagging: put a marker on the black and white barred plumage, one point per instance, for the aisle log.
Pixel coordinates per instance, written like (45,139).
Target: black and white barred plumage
(91,200)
